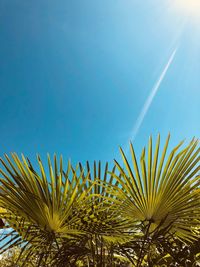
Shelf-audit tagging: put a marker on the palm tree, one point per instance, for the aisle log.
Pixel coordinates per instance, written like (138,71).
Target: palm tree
(59,219)
(161,194)
(93,216)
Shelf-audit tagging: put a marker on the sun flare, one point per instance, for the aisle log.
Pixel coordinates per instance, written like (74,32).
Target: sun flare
(189,7)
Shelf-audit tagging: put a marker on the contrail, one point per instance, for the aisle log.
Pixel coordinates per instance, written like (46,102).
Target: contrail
(151,96)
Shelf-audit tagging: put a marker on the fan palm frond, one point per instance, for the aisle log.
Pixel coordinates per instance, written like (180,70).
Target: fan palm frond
(43,210)
(163,193)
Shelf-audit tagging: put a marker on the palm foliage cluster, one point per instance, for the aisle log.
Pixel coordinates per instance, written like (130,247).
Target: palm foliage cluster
(141,212)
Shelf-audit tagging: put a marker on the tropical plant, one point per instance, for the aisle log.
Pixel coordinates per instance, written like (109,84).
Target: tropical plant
(139,213)
(61,219)
(162,195)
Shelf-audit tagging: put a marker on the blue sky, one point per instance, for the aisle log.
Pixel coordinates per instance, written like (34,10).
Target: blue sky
(74,75)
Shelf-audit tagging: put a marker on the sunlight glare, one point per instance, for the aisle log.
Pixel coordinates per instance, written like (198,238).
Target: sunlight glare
(189,7)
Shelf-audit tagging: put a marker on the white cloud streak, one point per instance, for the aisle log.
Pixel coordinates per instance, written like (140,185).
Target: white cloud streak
(151,96)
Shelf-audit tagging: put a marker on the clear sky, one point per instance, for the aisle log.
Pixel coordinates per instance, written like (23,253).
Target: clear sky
(75,75)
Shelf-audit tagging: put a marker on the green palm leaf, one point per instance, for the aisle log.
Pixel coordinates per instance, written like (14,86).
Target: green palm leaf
(163,192)
(44,209)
